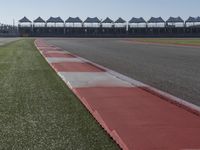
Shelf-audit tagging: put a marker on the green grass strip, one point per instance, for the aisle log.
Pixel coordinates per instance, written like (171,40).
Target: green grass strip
(37,110)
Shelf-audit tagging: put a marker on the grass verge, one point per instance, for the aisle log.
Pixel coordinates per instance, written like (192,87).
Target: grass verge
(37,110)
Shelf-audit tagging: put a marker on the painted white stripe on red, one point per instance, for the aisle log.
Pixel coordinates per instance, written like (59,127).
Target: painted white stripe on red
(92,79)
(57,59)
(57,51)
(40,46)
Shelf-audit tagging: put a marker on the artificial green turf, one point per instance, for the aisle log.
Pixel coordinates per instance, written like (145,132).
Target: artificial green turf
(191,41)
(37,110)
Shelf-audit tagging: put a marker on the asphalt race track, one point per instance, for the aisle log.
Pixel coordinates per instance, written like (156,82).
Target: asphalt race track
(7,40)
(173,69)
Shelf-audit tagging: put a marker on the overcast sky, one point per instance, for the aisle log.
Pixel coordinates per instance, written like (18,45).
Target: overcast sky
(16,9)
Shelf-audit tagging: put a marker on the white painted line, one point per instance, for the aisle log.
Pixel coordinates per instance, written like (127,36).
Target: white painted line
(92,79)
(56,51)
(57,59)
(43,47)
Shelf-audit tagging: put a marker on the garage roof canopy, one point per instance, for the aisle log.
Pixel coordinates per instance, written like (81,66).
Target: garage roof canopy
(191,19)
(39,20)
(107,20)
(137,20)
(73,20)
(55,20)
(156,20)
(120,20)
(175,20)
(92,20)
(24,20)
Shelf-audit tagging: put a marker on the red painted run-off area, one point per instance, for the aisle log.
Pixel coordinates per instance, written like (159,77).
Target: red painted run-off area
(75,67)
(142,120)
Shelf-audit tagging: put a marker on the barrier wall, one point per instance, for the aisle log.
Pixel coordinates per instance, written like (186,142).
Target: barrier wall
(109,32)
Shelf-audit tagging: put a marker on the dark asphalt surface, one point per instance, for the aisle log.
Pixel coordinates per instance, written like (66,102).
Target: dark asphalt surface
(7,40)
(173,69)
